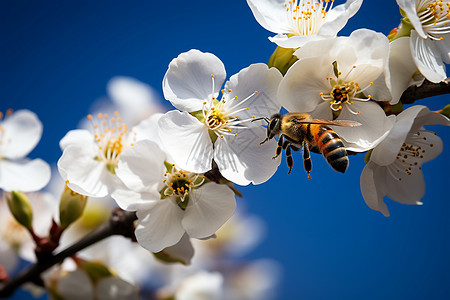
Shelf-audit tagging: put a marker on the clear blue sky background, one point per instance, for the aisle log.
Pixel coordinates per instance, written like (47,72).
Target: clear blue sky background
(57,56)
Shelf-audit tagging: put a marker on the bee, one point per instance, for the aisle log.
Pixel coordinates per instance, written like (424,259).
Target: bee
(297,130)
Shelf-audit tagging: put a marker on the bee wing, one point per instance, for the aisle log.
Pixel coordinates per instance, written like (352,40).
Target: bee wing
(343,123)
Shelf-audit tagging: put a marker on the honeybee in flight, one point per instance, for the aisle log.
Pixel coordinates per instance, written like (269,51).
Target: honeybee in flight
(298,130)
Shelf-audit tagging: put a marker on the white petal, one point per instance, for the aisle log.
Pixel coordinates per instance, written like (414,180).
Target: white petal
(427,57)
(188,82)
(401,67)
(409,7)
(429,142)
(338,16)
(141,167)
(159,226)
(300,89)
(242,160)
(201,286)
(209,208)
(411,119)
(135,99)
(181,251)
(24,175)
(409,190)
(187,141)
(21,132)
(371,183)
(270,14)
(113,288)
(256,77)
(84,173)
(374,125)
(295,41)
(80,137)
(444,46)
(133,201)
(147,129)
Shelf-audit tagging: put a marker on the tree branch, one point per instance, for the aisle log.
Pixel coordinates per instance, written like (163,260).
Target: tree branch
(427,89)
(120,223)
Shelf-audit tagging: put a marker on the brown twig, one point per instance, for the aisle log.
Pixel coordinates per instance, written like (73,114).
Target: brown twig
(120,223)
(427,89)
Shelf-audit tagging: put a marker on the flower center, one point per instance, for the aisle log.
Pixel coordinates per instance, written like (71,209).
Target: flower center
(434,17)
(307,16)
(112,137)
(179,184)
(343,91)
(222,116)
(409,157)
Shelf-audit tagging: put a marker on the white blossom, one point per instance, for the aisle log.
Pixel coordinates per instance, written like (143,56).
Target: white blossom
(19,134)
(430,37)
(169,201)
(297,22)
(395,166)
(219,128)
(335,76)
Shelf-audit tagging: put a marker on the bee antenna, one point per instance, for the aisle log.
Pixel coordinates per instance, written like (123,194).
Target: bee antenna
(262,118)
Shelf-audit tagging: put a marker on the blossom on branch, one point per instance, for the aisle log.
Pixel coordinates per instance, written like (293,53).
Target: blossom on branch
(333,77)
(19,134)
(395,165)
(297,22)
(220,128)
(169,201)
(430,35)
(89,160)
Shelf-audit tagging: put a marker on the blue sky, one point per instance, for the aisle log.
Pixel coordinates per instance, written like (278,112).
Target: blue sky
(58,56)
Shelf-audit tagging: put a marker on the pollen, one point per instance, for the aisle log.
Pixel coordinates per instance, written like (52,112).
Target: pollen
(111,137)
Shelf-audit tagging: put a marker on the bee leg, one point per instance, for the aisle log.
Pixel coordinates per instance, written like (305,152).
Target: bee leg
(265,140)
(295,148)
(289,160)
(307,159)
(280,147)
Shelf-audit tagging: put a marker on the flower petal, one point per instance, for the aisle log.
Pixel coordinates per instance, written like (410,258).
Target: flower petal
(270,14)
(256,77)
(187,141)
(135,100)
(427,57)
(409,7)
(409,190)
(21,132)
(188,82)
(25,175)
(409,120)
(337,17)
(75,285)
(300,89)
(242,160)
(374,125)
(141,167)
(371,183)
(147,129)
(159,225)
(84,173)
(209,208)
(76,137)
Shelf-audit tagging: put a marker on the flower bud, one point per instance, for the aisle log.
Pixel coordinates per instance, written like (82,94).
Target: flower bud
(445,111)
(71,206)
(20,208)
(282,59)
(94,269)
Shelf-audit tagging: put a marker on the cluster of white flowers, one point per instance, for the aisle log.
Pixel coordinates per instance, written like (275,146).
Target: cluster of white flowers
(176,170)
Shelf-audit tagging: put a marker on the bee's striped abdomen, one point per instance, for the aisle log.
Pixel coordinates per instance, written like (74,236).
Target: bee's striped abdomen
(331,146)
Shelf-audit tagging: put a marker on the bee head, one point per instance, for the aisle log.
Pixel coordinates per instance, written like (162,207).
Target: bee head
(274,126)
